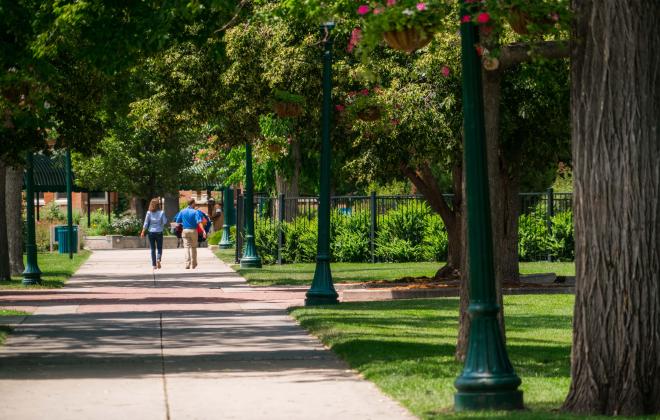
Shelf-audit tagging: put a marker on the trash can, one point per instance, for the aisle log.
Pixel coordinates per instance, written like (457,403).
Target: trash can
(62,235)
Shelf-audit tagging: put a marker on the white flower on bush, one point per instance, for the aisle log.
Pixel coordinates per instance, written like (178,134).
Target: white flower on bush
(127,226)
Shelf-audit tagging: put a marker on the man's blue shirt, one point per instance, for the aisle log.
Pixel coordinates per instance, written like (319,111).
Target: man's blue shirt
(189,218)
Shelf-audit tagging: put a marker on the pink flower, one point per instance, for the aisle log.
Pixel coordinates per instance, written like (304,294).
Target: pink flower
(363,9)
(378,10)
(364,92)
(554,16)
(483,17)
(445,71)
(356,36)
(391,2)
(340,107)
(466,19)
(421,6)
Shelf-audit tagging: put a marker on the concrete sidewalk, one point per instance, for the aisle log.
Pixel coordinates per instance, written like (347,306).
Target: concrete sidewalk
(122,342)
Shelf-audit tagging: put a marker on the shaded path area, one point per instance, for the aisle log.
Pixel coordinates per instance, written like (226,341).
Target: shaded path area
(120,341)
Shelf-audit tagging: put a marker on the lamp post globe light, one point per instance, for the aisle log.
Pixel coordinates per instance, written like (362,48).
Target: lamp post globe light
(488,381)
(250,258)
(322,290)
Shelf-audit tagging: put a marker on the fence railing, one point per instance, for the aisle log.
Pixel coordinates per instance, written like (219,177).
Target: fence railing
(374,208)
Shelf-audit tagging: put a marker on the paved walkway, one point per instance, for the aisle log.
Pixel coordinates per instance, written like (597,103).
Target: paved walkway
(120,342)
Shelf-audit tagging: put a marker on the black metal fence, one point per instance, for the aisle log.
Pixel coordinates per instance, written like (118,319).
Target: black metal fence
(303,210)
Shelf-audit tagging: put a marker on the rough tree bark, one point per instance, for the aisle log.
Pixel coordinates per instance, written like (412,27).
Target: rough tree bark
(464,290)
(14,201)
(5,269)
(503,188)
(615,76)
(425,182)
(290,186)
(171,204)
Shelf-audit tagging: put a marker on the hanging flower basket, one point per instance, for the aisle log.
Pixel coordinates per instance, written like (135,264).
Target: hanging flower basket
(371,113)
(287,109)
(274,148)
(408,40)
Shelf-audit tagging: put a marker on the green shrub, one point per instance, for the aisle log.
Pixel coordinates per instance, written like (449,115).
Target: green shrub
(562,232)
(436,241)
(99,225)
(300,241)
(407,222)
(401,234)
(265,237)
(52,213)
(42,237)
(215,237)
(351,246)
(534,241)
(398,250)
(350,237)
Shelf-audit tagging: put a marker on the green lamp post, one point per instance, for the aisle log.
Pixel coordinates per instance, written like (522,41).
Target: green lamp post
(69,201)
(488,381)
(322,290)
(227,205)
(250,258)
(32,274)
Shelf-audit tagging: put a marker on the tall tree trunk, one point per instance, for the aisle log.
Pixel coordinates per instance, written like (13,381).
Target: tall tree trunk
(290,185)
(424,180)
(503,187)
(464,290)
(5,269)
(615,362)
(141,207)
(13,201)
(171,205)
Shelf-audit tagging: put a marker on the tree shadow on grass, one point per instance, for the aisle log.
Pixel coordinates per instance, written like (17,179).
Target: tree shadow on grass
(422,334)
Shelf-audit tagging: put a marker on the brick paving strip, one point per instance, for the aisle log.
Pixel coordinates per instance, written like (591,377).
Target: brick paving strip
(122,342)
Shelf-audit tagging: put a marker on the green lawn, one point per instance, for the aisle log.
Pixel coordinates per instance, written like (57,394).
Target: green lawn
(406,347)
(56,269)
(301,274)
(5,330)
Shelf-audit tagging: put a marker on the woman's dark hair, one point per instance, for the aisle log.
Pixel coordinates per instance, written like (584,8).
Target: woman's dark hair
(154,205)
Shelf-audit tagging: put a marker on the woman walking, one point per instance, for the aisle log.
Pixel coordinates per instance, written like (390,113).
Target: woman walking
(154,222)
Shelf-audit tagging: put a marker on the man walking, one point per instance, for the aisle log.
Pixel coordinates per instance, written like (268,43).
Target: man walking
(190,220)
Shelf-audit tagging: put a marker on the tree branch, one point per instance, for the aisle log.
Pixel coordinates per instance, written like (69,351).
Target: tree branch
(429,188)
(514,54)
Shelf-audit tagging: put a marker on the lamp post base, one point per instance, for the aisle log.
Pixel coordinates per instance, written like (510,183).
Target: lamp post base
(500,400)
(322,291)
(31,276)
(317,299)
(251,262)
(226,242)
